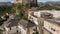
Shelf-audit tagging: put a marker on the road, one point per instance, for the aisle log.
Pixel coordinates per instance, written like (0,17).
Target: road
(6,22)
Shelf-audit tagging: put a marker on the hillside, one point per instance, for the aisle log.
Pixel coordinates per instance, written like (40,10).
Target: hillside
(49,5)
(5,3)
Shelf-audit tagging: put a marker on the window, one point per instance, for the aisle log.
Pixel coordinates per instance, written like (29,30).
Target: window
(52,29)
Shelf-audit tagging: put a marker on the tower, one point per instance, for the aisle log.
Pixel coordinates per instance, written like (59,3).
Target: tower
(23,2)
(33,3)
(17,1)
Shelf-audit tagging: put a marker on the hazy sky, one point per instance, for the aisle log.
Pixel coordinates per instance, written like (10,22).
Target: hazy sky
(38,0)
(47,0)
(6,0)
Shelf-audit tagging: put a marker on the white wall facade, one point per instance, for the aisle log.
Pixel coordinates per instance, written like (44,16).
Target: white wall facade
(55,13)
(35,20)
(53,28)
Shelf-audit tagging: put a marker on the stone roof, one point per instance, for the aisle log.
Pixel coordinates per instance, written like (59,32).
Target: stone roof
(24,23)
(45,13)
(13,22)
(27,24)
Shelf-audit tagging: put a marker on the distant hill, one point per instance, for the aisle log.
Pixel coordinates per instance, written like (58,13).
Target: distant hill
(49,5)
(5,3)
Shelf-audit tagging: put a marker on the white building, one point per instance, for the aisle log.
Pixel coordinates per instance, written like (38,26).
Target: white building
(55,13)
(51,26)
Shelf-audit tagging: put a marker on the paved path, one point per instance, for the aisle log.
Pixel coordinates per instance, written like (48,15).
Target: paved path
(6,22)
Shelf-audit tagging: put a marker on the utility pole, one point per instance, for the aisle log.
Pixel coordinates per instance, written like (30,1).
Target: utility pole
(28,30)
(41,23)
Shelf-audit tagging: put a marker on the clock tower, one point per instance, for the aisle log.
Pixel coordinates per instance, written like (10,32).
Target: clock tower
(18,1)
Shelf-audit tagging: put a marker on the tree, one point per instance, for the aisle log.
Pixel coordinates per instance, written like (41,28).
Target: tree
(35,32)
(6,9)
(1,31)
(27,6)
(20,12)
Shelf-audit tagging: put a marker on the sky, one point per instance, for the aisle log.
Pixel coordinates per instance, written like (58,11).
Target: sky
(7,1)
(38,0)
(47,0)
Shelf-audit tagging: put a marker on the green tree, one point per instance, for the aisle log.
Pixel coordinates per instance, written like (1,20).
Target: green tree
(27,6)
(6,9)
(20,12)
(19,9)
(1,31)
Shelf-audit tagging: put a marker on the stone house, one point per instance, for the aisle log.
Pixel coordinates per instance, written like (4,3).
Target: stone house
(22,26)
